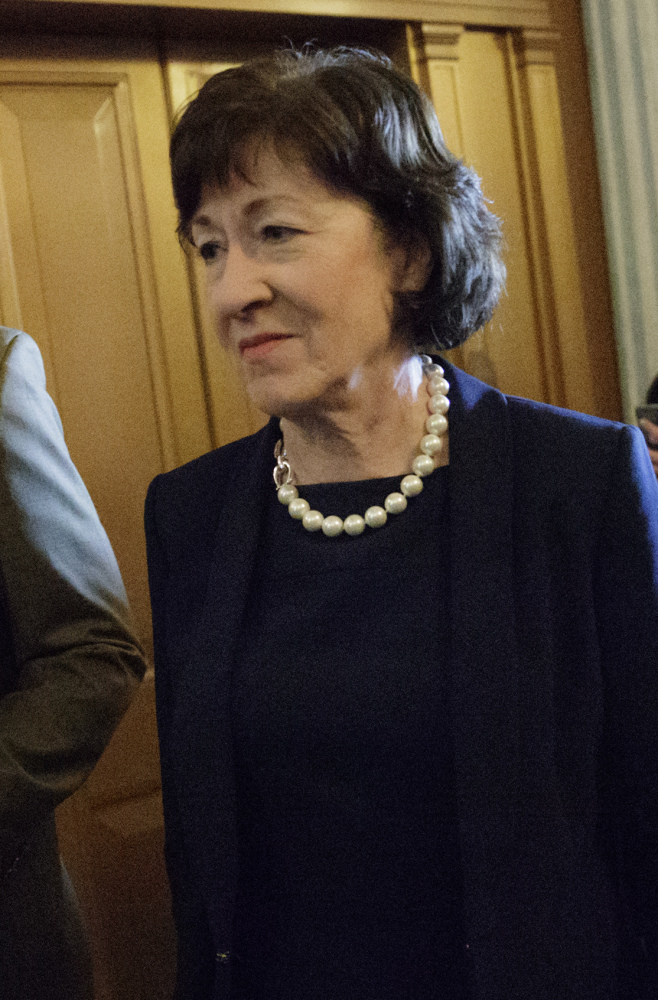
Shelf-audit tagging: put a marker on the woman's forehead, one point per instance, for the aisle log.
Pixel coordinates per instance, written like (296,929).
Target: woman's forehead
(264,177)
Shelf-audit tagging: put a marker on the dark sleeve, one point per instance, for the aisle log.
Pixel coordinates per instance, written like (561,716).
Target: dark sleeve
(196,958)
(69,661)
(627,589)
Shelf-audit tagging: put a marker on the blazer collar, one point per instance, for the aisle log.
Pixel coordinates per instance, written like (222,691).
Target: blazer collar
(484,659)
(205,780)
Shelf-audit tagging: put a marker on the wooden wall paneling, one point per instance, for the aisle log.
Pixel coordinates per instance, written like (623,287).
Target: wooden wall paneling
(440,45)
(138,111)
(535,238)
(587,203)
(85,289)
(488,13)
(465,73)
(189,408)
(433,63)
(531,59)
(21,292)
(10,306)
(232,414)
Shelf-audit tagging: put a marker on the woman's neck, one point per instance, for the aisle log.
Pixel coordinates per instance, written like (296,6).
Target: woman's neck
(374,434)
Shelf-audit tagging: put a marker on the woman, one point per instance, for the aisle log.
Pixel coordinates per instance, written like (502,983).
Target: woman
(408,734)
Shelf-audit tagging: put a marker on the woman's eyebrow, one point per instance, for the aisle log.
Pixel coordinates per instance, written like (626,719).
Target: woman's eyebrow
(202,222)
(251,208)
(272,201)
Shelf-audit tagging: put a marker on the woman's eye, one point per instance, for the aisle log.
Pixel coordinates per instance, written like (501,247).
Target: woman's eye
(209,251)
(278,234)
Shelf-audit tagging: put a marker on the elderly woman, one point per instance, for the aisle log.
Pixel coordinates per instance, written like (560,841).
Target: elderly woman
(407,693)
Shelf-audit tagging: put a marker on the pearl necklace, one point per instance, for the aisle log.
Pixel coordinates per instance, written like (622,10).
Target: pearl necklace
(430,445)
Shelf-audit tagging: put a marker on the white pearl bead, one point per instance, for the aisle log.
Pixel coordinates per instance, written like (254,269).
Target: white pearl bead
(312,520)
(433,369)
(375,517)
(354,524)
(436,424)
(431,444)
(422,465)
(287,492)
(439,404)
(395,503)
(332,526)
(297,508)
(438,384)
(411,486)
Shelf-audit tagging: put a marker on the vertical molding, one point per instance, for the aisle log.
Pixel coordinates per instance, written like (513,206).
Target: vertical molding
(622,40)
(434,57)
(10,305)
(550,223)
(170,430)
(434,61)
(21,295)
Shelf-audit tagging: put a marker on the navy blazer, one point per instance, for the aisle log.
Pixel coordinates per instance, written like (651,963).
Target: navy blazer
(554,689)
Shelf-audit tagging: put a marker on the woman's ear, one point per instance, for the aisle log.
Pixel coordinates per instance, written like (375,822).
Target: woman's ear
(417,265)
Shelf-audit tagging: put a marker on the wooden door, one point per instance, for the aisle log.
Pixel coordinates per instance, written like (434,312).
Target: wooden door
(496,96)
(90,267)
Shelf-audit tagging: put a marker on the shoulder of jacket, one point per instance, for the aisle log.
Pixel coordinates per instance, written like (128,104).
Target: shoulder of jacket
(567,458)
(187,501)
(569,425)
(12,340)
(8,333)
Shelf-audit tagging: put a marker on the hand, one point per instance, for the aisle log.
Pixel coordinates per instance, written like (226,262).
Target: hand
(650,432)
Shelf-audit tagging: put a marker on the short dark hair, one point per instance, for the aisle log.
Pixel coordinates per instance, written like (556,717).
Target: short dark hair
(364,128)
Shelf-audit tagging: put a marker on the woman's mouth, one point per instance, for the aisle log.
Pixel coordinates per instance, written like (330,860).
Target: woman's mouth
(261,344)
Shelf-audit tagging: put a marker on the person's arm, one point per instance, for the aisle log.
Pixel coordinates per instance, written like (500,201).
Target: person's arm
(627,612)
(69,662)
(650,432)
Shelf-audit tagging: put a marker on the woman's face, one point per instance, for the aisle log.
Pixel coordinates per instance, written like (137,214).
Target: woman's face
(300,284)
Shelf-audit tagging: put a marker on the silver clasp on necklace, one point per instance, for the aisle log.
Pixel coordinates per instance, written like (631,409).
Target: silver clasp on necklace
(282,472)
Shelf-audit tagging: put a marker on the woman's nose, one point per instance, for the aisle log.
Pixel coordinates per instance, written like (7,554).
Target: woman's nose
(241,284)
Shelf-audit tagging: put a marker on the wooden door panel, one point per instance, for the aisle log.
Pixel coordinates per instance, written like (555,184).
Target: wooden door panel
(93,328)
(468,81)
(496,96)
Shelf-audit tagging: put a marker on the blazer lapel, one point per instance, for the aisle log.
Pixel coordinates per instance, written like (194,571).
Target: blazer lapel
(206,781)
(485,667)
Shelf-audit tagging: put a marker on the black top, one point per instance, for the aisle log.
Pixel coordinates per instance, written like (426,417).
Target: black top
(349,883)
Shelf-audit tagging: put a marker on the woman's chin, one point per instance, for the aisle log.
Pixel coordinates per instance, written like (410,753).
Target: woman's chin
(276,398)
(274,404)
